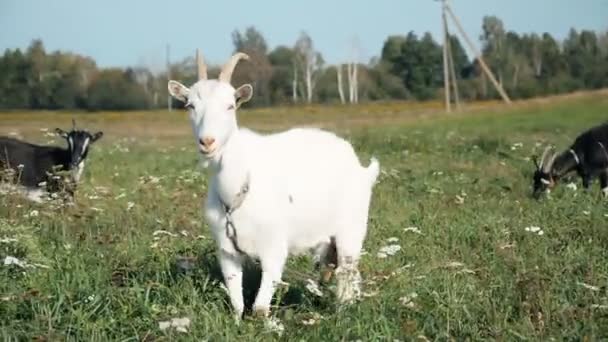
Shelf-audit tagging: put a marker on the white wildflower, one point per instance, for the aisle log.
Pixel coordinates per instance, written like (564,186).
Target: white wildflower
(516,146)
(465,271)
(7,240)
(454,264)
(313,288)
(369,294)
(599,306)
(130,205)
(507,246)
(459,199)
(534,230)
(388,251)
(589,287)
(586,212)
(314,319)
(33,213)
(163,232)
(121,195)
(408,301)
(392,239)
(571,186)
(180,324)
(412,229)
(274,324)
(11,260)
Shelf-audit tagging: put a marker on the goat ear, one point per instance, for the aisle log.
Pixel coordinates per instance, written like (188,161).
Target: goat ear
(61,132)
(178,90)
(243,94)
(96,136)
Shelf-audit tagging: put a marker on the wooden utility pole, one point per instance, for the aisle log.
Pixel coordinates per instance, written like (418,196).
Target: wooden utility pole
(478,55)
(446,75)
(452,71)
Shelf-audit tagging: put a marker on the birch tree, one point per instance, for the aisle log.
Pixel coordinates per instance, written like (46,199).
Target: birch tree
(309,62)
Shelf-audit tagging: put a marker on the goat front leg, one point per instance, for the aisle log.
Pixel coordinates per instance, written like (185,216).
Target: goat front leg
(272,270)
(604,182)
(586,179)
(232,270)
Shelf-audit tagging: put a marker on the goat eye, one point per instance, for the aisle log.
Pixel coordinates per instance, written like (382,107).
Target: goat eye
(189,105)
(231,107)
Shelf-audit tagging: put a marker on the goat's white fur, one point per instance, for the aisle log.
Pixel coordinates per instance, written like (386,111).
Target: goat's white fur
(305,187)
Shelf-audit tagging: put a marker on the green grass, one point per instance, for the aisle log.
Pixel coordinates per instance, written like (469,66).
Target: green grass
(462,180)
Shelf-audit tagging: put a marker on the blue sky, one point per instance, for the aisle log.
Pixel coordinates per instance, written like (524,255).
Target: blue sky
(135,32)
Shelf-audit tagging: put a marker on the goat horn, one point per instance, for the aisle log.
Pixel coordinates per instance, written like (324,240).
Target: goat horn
(544,156)
(547,167)
(228,68)
(201,67)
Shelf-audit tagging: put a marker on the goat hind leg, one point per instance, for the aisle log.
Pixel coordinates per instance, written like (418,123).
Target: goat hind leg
(348,278)
(326,259)
(604,183)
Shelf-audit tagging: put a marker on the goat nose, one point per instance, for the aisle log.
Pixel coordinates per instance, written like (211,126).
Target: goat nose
(206,141)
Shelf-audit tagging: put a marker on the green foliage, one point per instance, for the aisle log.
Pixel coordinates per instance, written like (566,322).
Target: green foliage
(115,89)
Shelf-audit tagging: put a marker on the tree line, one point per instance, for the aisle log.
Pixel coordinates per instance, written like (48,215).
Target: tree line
(409,67)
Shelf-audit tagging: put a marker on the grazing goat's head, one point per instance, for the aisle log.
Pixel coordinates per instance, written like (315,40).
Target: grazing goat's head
(212,105)
(544,179)
(78,143)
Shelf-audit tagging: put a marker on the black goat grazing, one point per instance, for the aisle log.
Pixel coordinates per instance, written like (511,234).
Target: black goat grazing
(35,167)
(587,156)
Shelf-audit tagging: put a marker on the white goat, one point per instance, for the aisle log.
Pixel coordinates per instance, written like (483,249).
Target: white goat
(278,194)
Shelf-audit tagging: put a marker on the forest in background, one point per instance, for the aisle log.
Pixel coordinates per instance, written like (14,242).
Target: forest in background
(409,67)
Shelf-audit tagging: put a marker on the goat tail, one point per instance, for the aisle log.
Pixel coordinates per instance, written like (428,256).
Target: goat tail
(373,170)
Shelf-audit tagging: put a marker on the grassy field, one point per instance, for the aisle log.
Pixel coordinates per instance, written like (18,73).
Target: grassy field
(453,196)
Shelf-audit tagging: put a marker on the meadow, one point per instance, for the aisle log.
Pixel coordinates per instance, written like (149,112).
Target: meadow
(456,248)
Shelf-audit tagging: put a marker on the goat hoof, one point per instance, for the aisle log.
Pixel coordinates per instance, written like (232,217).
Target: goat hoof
(261,312)
(326,275)
(238,316)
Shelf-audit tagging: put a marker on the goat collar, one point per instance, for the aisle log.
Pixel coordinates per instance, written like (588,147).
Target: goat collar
(575,156)
(229,209)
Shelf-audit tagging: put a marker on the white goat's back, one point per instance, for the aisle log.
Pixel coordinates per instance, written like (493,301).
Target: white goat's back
(317,182)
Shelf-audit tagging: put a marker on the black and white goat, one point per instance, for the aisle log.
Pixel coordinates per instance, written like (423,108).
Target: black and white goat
(588,156)
(34,167)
